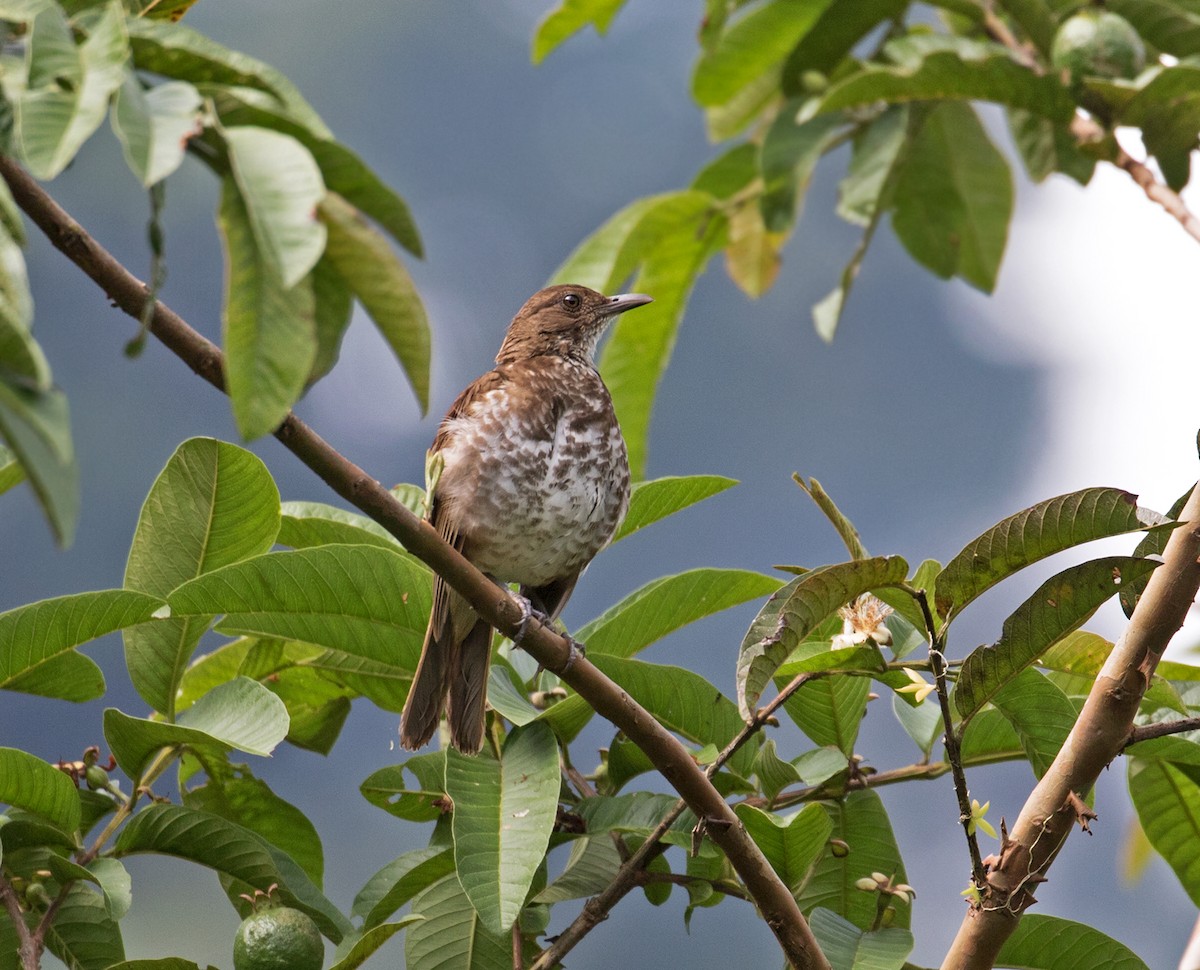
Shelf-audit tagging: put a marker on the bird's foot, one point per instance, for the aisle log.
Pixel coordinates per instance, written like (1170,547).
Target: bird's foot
(575,651)
(529,613)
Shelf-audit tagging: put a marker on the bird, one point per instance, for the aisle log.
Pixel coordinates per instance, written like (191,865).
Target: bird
(533,483)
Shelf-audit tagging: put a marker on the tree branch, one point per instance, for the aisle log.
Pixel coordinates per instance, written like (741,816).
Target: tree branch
(497,606)
(29,949)
(1098,736)
(1146,732)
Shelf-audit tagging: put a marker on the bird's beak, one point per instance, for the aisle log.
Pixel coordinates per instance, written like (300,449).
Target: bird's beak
(625,301)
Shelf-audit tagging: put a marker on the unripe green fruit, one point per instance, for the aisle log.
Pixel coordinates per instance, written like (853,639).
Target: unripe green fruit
(1098,43)
(278,938)
(96,778)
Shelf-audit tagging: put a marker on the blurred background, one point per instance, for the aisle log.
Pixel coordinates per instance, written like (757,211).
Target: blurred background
(936,412)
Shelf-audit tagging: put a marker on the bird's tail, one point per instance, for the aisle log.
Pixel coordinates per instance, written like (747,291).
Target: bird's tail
(467,705)
(430,685)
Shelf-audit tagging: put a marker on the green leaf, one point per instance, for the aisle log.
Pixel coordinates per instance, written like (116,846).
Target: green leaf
(317,706)
(860,820)
(661,497)
(1167,109)
(401,879)
(381,283)
(829,710)
(31,784)
(503,814)
(1039,531)
(773,773)
(683,702)
(37,427)
(845,528)
(333,306)
(990,738)
(162,963)
(83,934)
(212,504)
(388,789)
(638,814)
(967,71)
(791,845)
(67,86)
(922,723)
(1048,147)
(280,184)
(752,46)
(360,600)
(367,942)
(269,328)
(11,472)
(671,236)
(954,197)
(307,524)
(452,935)
(115,882)
(154,126)
(850,948)
(1059,606)
(20,355)
(669,603)
(1041,714)
(835,34)
(1166,797)
(1174,28)
(795,610)
(238,715)
(37,641)
(232,850)
(791,149)
(176,51)
(568,18)
(1051,943)
(592,865)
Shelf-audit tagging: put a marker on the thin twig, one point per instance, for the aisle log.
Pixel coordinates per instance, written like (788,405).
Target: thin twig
(29,947)
(1146,732)
(555,653)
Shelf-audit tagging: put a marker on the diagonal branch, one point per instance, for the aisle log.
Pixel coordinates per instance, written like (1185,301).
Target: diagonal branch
(1099,735)
(352,483)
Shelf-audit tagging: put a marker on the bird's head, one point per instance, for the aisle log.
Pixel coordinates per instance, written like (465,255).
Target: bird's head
(564,321)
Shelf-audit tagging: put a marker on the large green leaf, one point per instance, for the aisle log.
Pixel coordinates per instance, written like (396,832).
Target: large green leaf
(1041,714)
(31,784)
(860,820)
(425,801)
(658,498)
(281,185)
(1059,606)
(671,236)
(937,67)
(232,850)
(1047,146)
(848,947)
(37,641)
(954,197)
(249,801)
(154,126)
(592,865)
(401,879)
(829,710)
(794,611)
(1167,109)
(1050,943)
(362,944)
(752,46)
(212,504)
(1039,531)
(835,34)
(361,600)
(66,85)
(240,714)
(791,845)
(270,328)
(176,51)
(666,604)
(1172,27)
(83,934)
(316,524)
(452,936)
(1167,799)
(36,425)
(569,17)
(381,283)
(683,702)
(792,146)
(504,812)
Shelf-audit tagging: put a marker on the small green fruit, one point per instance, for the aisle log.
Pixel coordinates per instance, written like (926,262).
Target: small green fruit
(278,938)
(1098,43)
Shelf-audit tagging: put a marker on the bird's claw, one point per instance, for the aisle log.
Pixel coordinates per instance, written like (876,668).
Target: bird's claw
(528,613)
(575,650)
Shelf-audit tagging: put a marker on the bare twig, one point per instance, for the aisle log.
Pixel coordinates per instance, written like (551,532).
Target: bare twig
(1146,732)
(498,607)
(1099,734)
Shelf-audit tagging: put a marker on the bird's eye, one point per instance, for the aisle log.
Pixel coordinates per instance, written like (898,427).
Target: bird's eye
(572,301)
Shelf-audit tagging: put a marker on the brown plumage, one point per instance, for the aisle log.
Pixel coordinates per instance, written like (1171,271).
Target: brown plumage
(535,481)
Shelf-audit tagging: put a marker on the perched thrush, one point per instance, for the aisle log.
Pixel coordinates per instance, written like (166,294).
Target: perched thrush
(534,482)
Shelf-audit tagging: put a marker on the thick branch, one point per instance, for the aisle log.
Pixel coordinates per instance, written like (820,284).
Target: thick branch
(499,608)
(1098,736)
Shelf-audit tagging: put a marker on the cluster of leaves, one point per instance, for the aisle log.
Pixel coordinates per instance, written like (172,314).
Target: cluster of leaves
(790,83)
(339,614)
(293,213)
